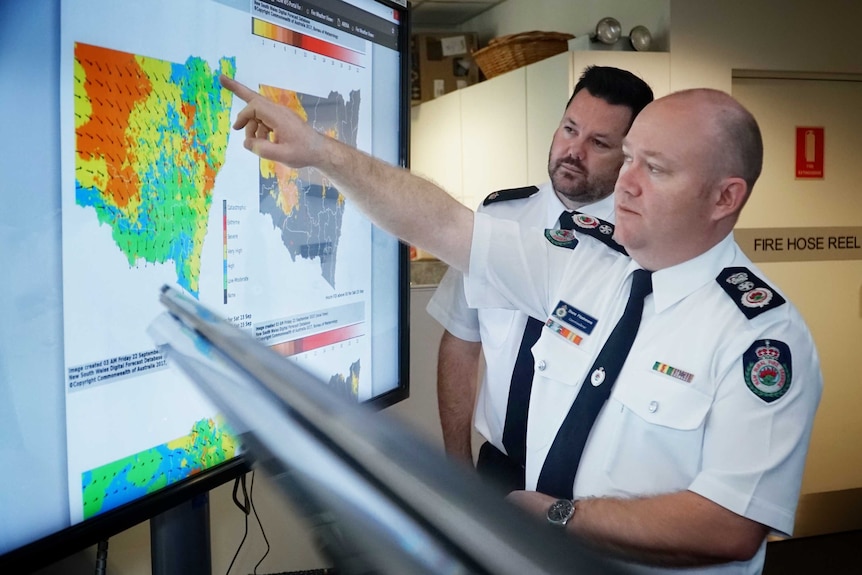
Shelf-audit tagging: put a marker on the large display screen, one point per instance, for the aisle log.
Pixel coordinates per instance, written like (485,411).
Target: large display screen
(123,175)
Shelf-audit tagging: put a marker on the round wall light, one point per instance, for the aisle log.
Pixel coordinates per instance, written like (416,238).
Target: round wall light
(608,30)
(640,38)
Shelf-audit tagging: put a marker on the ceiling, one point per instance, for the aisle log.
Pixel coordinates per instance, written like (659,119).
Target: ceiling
(448,13)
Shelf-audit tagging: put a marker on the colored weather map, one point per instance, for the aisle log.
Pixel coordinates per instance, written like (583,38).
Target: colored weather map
(209,443)
(302,203)
(151,137)
(347,387)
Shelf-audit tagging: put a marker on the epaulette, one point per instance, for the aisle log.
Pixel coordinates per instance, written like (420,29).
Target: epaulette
(749,292)
(512,194)
(597,228)
(562,238)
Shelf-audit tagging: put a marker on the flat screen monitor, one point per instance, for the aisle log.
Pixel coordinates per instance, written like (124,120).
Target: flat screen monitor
(120,174)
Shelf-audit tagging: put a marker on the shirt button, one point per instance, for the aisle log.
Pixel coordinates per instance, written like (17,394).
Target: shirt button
(541,365)
(653,406)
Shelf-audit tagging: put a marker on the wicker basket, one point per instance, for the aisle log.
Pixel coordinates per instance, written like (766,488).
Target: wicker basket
(507,53)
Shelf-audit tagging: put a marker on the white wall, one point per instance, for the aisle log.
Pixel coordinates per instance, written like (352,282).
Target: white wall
(578,17)
(709,39)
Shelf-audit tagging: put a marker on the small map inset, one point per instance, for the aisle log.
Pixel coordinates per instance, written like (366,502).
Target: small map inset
(303,205)
(347,387)
(151,137)
(109,486)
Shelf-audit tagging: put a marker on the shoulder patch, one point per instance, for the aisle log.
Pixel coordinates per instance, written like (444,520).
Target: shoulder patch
(753,295)
(596,228)
(562,238)
(512,194)
(767,369)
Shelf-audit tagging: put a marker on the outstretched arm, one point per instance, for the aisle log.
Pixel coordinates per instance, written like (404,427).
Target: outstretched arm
(407,206)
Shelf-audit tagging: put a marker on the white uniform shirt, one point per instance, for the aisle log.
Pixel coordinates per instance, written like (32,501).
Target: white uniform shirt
(682,415)
(499,330)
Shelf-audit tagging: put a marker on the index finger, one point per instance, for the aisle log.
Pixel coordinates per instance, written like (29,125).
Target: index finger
(243,92)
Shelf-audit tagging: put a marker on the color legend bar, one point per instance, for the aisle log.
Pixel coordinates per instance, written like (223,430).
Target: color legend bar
(224,245)
(318,340)
(277,33)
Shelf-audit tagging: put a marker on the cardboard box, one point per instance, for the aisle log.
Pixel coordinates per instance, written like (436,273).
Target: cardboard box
(441,63)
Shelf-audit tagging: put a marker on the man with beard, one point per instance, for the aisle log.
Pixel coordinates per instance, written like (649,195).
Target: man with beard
(583,163)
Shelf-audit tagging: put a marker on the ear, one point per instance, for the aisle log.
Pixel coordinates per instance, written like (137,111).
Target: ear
(730,196)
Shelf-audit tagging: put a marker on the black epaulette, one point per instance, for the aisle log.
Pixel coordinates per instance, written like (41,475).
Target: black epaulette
(513,194)
(749,292)
(596,228)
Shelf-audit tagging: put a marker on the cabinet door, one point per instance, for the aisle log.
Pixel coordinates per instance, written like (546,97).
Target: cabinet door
(549,85)
(494,135)
(435,143)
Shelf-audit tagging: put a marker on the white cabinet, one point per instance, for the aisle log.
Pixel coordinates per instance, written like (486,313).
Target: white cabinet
(435,142)
(496,134)
(493,136)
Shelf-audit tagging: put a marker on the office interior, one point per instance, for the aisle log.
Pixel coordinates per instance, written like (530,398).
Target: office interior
(794,63)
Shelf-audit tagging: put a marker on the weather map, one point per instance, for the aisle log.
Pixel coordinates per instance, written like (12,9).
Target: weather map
(151,137)
(303,205)
(108,486)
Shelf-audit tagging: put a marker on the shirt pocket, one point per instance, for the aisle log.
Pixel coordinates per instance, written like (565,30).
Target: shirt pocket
(659,434)
(560,368)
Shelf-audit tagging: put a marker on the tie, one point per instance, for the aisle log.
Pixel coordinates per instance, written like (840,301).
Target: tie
(515,426)
(558,473)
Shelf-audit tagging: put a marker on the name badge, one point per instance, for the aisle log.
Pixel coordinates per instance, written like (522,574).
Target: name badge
(567,321)
(575,318)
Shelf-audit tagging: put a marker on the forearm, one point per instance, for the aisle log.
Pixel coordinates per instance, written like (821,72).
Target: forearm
(405,205)
(457,374)
(676,529)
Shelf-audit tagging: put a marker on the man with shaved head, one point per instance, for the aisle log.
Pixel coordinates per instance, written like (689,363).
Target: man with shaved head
(674,388)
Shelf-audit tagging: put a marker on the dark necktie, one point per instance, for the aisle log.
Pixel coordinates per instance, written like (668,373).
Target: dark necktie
(558,473)
(515,426)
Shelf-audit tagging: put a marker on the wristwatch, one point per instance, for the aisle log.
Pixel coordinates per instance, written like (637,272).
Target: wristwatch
(561,512)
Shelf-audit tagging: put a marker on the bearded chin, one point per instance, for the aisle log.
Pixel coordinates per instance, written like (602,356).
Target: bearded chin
(578,189)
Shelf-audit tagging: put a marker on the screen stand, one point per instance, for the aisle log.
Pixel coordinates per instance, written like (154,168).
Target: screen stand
(180,539)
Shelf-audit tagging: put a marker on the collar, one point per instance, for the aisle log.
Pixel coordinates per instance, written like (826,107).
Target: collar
(675,283)
(602,209)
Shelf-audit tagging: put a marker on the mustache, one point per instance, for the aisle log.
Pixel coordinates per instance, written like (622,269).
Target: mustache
(572,162)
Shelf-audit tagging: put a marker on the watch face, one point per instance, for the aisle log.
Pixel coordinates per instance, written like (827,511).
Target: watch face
(561,511)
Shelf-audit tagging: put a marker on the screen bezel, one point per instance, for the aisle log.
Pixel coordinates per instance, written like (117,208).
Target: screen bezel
(76,537)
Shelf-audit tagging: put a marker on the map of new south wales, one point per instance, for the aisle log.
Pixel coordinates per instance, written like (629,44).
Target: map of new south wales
(304,205)
(151,137)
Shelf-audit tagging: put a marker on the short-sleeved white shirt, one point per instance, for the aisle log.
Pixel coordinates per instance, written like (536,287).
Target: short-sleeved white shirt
(499,330)
(688,410)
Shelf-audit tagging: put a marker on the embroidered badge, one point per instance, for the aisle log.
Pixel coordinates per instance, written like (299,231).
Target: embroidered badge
(672,371)
(750,293)
(767,368)
(585,221)
(598,229)
(562,238)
